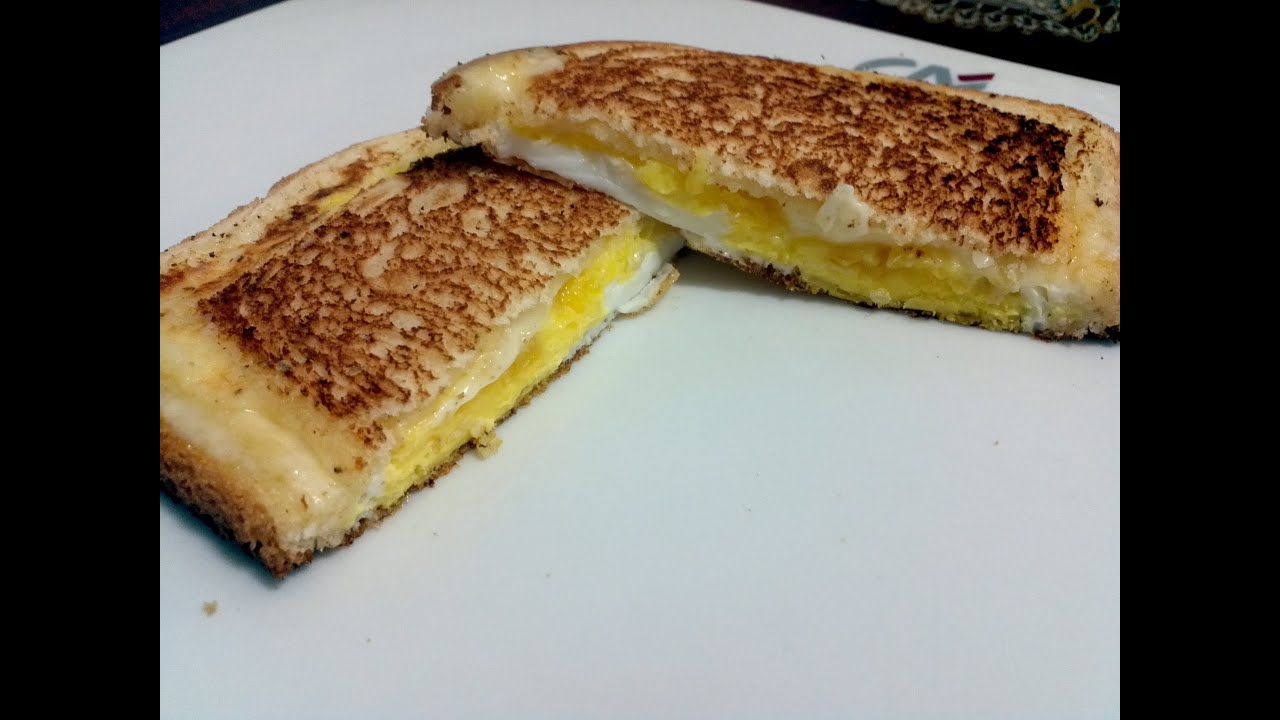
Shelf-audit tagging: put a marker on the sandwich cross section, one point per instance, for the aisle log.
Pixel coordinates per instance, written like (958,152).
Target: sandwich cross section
(319,358)
(975,208)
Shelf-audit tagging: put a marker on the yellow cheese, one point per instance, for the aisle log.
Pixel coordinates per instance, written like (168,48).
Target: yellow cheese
(579,306)
(872,269)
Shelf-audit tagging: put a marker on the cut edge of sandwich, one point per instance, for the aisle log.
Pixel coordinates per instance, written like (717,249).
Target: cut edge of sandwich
(269,441)
(802,225)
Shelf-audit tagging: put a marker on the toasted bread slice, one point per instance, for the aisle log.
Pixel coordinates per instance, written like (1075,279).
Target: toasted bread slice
(979,209)
(327,348)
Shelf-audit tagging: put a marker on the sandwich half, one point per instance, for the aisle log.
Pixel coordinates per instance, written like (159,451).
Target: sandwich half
(344,339)
(975,208)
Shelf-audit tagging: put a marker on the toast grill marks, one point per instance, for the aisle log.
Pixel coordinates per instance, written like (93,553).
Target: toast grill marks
(251,231)
(366,313)
(965,168)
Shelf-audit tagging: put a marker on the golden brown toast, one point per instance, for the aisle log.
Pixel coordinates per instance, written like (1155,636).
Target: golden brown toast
(977,208)
(344,339)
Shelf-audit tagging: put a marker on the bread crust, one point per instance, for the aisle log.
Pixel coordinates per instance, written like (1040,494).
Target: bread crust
(209,490)
(212,491)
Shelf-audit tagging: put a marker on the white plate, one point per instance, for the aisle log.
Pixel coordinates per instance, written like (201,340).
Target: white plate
(743,503)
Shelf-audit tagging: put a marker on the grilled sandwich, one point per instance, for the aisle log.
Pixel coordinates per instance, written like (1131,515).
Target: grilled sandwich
(975,208)
(327,348)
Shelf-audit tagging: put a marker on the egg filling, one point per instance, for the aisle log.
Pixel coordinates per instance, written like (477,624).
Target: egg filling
(530,350)
(831,246)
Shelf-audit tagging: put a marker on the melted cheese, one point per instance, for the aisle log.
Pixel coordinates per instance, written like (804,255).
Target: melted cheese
(498,81)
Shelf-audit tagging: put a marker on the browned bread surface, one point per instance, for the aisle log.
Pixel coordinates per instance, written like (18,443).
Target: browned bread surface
(367,310)
(351,293)
(364,311)
(972,163)
(1027,182)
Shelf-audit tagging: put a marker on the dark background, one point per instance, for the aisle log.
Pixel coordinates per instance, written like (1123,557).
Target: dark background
(1099,60)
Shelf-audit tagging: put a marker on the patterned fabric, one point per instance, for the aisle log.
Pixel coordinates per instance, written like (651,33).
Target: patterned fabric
(1084,20)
